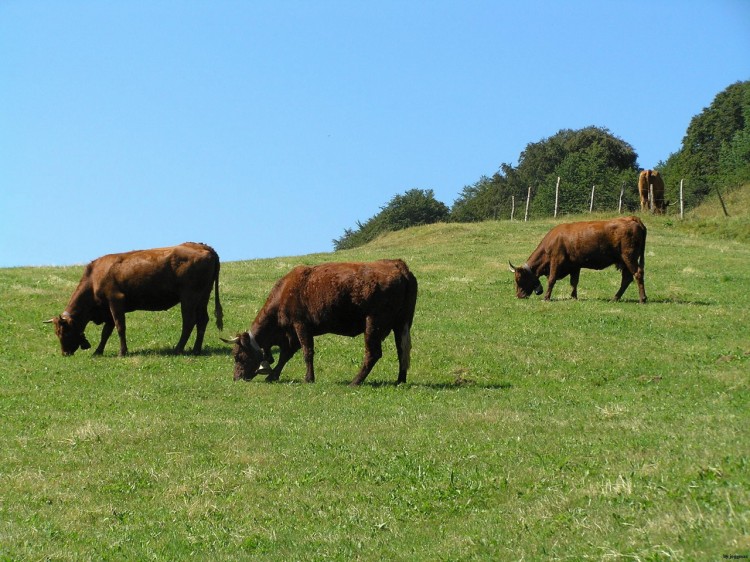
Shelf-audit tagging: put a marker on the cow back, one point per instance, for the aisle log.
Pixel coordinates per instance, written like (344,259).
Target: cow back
(338,297)
(154,279)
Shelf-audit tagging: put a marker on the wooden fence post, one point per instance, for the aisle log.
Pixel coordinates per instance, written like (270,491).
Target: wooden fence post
(512,206)
(723,206)
(682,205)
(528,200)
(651,197)
(591,207)
(622,192)
(557,194)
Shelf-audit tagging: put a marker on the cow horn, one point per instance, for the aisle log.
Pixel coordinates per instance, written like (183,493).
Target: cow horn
(512,267)
(232,341)
(50,321)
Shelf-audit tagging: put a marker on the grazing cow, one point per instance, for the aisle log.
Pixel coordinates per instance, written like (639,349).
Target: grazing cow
(568,248)
(346,299)
(646,180)
(154,279)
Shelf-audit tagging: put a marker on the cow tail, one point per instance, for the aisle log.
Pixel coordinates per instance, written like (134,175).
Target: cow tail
(642,256)
(408,318)
(411,296)
(218,311)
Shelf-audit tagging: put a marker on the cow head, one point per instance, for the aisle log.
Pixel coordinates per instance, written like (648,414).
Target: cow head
(526,281)
(249,359)
(71,336)
(660,206)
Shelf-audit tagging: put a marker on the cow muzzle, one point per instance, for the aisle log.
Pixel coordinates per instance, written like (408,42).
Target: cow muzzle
(240,376)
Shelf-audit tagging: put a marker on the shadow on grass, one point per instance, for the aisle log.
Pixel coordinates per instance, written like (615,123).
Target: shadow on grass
(455,385)
(208,351)
(671,300)
(657,300)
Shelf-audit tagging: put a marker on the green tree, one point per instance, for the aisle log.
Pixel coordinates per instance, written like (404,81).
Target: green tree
(483,200)
(715,147)
(489,198)
(414,208)
(581,158)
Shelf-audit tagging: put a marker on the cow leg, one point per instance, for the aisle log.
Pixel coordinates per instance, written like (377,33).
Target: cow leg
(308,350)
(118,315)
(641,285)
(285,355)
(574,275)
(373,351)
(403,349)
(188,321)
(635,269)
(551,280)
(106,332)
(632,268)
(201,322)
(627,278)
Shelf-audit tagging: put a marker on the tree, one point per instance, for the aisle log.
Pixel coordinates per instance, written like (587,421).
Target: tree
(481,201)
(715,147)
(582,158)
(489,198)
(414,208)
(734,156)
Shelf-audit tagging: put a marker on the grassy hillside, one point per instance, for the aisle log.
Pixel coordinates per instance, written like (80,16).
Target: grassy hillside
(709,218)
(527,430)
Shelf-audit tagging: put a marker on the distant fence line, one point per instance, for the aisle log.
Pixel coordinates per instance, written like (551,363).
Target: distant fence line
(592,199)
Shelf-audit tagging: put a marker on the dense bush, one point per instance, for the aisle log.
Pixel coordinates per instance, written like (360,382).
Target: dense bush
(414,208)
(716,148)
(581,158)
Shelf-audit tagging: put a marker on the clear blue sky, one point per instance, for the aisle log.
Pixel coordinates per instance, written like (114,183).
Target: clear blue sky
(265,128)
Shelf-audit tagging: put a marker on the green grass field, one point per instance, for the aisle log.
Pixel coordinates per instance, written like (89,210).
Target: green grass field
(576,430)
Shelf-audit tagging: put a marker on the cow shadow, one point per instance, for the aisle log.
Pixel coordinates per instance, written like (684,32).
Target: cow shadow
(208,351)
(455,385)
(657,300)
(672,300)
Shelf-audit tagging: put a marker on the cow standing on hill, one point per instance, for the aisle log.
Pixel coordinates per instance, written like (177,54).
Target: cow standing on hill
(568,248)
(647,180)
(154,279)
(346,299)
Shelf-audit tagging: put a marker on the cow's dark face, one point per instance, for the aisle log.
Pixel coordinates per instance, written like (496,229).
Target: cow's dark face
(526,282)
(248,357)
(70,336)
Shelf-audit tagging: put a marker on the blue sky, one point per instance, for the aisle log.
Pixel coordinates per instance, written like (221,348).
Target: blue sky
(265,128)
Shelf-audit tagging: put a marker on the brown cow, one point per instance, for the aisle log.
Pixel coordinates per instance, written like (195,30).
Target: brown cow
(154,279)
(646,180)
(568,248)
(346,299)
